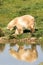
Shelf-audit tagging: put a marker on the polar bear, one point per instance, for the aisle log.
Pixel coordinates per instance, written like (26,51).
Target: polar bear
(21,23)
(28,55)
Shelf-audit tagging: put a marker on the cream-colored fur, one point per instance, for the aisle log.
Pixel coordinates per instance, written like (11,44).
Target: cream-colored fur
(22,22)
(28,55)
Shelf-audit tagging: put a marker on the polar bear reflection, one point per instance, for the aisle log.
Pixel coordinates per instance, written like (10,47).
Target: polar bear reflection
(28,55)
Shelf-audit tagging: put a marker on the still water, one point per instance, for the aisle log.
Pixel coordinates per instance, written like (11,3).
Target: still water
(7,59)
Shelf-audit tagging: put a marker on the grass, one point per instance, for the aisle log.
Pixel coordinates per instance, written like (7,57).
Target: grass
(10,9)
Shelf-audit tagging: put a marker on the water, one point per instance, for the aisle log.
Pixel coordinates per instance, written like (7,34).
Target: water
(7,59)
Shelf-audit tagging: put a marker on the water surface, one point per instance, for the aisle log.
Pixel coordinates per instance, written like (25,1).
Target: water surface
(7,59)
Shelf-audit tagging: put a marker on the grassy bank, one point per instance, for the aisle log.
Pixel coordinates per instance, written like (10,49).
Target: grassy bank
(10,9)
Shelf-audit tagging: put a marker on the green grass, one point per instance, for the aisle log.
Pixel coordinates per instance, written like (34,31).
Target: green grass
(10,9)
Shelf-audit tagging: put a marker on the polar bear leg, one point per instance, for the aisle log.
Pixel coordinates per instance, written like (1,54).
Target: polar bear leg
(18,31)
(32,28)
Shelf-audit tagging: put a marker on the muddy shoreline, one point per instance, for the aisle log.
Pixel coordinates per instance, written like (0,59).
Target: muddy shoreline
(32,40)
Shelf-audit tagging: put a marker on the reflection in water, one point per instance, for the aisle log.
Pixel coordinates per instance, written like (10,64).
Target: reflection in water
(29,54)
(2,47)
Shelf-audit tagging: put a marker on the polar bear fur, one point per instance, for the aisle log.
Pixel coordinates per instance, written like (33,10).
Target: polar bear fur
(22,22)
